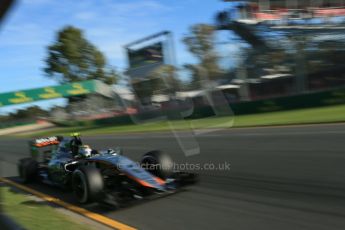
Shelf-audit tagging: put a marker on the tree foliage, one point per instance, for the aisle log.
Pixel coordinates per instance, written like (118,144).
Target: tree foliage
(200,42)
(195,81)
(73,58)
(167,74)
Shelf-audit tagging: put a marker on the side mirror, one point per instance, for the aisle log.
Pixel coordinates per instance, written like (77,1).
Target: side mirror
(115,151)
(119,150)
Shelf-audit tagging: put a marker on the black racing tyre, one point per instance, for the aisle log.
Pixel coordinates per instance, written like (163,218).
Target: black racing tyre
(87,184)
(158,163)
(27,170)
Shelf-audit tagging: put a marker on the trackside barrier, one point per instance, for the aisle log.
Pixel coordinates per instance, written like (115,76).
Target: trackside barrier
(308,100)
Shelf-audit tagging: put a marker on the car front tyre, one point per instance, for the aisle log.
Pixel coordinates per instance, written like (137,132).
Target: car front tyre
(87,184)
(158,163)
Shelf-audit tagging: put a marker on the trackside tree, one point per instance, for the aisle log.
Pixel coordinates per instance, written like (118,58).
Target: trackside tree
(73,58)
(200,41)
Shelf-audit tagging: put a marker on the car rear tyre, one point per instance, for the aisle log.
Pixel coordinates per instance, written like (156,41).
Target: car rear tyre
(87,184)
(27,170)
(158,163)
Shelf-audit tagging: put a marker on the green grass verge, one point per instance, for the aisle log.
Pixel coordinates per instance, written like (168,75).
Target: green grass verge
(33,214)
(302,116)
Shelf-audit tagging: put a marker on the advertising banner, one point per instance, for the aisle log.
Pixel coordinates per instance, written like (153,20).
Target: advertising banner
(51,92)
(146,56)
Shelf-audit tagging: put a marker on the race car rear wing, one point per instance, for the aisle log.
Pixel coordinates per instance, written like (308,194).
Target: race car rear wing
(47,141)
(36,144)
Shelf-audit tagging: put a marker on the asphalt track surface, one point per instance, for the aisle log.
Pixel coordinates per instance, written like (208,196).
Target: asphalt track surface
(279,178)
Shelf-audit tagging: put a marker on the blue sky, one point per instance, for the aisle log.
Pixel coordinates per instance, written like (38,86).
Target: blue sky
(109,24)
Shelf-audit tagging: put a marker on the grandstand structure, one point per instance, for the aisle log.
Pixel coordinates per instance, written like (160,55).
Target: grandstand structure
(296,46)
(307,16)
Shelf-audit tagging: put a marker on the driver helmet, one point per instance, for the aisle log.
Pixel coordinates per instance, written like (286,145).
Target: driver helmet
(84,151)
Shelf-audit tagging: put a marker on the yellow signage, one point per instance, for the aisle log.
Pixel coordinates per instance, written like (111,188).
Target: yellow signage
(49,93)
(78,89)
(20,98)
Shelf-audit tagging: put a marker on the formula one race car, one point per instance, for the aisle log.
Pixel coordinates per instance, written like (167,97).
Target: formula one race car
(100,175)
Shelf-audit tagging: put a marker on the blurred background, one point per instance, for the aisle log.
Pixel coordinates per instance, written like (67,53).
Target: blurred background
(258,56)
(120,67)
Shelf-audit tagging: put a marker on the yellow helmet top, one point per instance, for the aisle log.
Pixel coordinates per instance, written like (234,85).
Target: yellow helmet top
(75,134)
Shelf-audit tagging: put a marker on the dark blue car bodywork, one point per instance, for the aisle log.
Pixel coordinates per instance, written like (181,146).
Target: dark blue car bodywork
(121,175)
